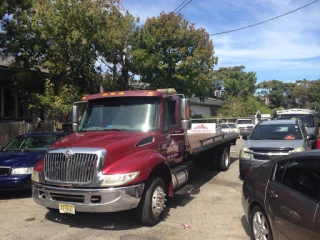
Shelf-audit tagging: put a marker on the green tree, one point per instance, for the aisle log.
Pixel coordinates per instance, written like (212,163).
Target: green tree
(168,51)
(278,92)
(57,107)
(238,83)
(313,95)
(62,37)
(8,7)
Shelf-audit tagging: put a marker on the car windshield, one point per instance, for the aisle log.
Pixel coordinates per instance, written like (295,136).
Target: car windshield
(30,143)
(228,125)
(121,114)
(276,131)
(245,121)
(308,120)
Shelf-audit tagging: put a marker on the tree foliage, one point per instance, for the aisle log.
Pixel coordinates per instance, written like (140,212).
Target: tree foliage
(168,51)
(237,82)
(57,107)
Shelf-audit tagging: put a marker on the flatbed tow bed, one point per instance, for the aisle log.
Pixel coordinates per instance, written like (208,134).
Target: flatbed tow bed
(201,142)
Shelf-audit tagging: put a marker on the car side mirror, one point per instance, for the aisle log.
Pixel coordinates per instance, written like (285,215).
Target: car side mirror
(1,148)
(245,137)
(311,137)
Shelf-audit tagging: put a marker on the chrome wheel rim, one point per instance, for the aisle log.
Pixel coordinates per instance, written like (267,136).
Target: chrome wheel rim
(260,227)
(226,159)
(158,201)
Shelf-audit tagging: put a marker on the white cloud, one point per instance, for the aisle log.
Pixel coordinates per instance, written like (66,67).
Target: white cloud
(289,45)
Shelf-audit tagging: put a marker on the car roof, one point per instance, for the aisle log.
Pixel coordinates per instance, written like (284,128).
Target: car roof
(277,122)
(311,153)
(57,134)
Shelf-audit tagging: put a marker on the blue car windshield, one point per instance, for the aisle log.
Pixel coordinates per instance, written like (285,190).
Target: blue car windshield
(30,143)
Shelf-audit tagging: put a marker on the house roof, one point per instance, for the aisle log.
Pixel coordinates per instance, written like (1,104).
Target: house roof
(208,102)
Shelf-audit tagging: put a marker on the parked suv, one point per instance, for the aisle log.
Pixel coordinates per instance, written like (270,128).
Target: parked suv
(271,139)
(245,126)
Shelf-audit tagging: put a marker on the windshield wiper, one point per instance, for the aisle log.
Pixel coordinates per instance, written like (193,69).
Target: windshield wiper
(114,129)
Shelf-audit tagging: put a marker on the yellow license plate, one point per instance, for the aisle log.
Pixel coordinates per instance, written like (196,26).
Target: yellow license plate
(66,208)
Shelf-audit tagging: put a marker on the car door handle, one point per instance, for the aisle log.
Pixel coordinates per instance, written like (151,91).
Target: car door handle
(273,194)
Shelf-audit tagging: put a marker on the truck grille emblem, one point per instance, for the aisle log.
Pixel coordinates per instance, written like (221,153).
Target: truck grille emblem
(68,153)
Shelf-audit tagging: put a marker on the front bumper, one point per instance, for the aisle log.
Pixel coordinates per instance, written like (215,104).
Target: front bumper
(246,164)
(19,182)
(89,200)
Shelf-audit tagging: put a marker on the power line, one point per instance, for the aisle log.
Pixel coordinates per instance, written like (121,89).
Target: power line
(179,6)
(186,5)
(268,20)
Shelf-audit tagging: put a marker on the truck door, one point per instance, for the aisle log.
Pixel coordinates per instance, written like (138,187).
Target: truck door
(171,137)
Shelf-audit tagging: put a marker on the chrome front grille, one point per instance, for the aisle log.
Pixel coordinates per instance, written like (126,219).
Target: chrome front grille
(75,168)
(4,171)
(269,153)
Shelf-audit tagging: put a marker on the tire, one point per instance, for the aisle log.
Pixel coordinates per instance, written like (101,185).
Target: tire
(242,173)
(259,224)
(225,159)
(153,200)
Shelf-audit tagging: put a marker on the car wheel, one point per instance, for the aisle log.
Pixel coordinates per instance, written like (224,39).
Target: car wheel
(260,227)
(152,203)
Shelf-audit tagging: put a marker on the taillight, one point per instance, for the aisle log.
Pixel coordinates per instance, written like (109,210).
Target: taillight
(39,166)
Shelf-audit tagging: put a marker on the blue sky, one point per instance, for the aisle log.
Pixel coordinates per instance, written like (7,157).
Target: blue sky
(286,49)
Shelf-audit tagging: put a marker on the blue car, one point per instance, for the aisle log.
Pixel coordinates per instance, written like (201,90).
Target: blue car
(19,156)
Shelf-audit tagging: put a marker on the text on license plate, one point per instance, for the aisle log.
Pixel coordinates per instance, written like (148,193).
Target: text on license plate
(66,208)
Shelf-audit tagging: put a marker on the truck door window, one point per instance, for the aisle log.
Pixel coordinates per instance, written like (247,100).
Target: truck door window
(165,116)
(172,113)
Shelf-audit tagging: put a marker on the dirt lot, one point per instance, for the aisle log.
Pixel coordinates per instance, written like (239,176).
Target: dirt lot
(210,204)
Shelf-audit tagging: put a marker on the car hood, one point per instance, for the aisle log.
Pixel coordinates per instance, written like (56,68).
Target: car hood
(274,143)
(19,159)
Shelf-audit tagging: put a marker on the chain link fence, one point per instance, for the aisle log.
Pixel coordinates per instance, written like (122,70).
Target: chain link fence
(10,130)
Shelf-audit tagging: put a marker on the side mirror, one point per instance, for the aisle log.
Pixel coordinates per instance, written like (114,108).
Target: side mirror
(1,148)
(185,114)
(245,137)
(74,118)
(311,137)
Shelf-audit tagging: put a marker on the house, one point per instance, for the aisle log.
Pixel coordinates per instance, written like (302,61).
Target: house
(207,108)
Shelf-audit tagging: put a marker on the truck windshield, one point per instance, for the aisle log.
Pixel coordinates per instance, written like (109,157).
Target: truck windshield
(127,114)
(308,120)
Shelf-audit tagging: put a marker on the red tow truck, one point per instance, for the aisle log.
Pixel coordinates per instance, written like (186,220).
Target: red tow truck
(130,150)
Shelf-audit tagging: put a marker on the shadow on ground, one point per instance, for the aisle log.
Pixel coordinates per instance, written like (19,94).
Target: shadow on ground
(245,225)
(17,194)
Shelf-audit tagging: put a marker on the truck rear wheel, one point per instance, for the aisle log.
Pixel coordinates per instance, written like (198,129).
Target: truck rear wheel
(152,203)
(225,159)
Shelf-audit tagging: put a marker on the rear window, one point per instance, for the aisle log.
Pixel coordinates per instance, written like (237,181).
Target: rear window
(308,120)
(248,121)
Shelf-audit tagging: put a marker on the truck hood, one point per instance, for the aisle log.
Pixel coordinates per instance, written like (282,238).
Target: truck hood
(115,142)
(19,159)
(274,143)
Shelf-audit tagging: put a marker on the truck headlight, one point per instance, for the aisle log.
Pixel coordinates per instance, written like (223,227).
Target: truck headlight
(21,171)
(119,179)
(299,149)
(244,153)
(35,176)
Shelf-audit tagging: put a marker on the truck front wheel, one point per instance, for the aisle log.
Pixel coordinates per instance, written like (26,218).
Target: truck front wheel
(152,203)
